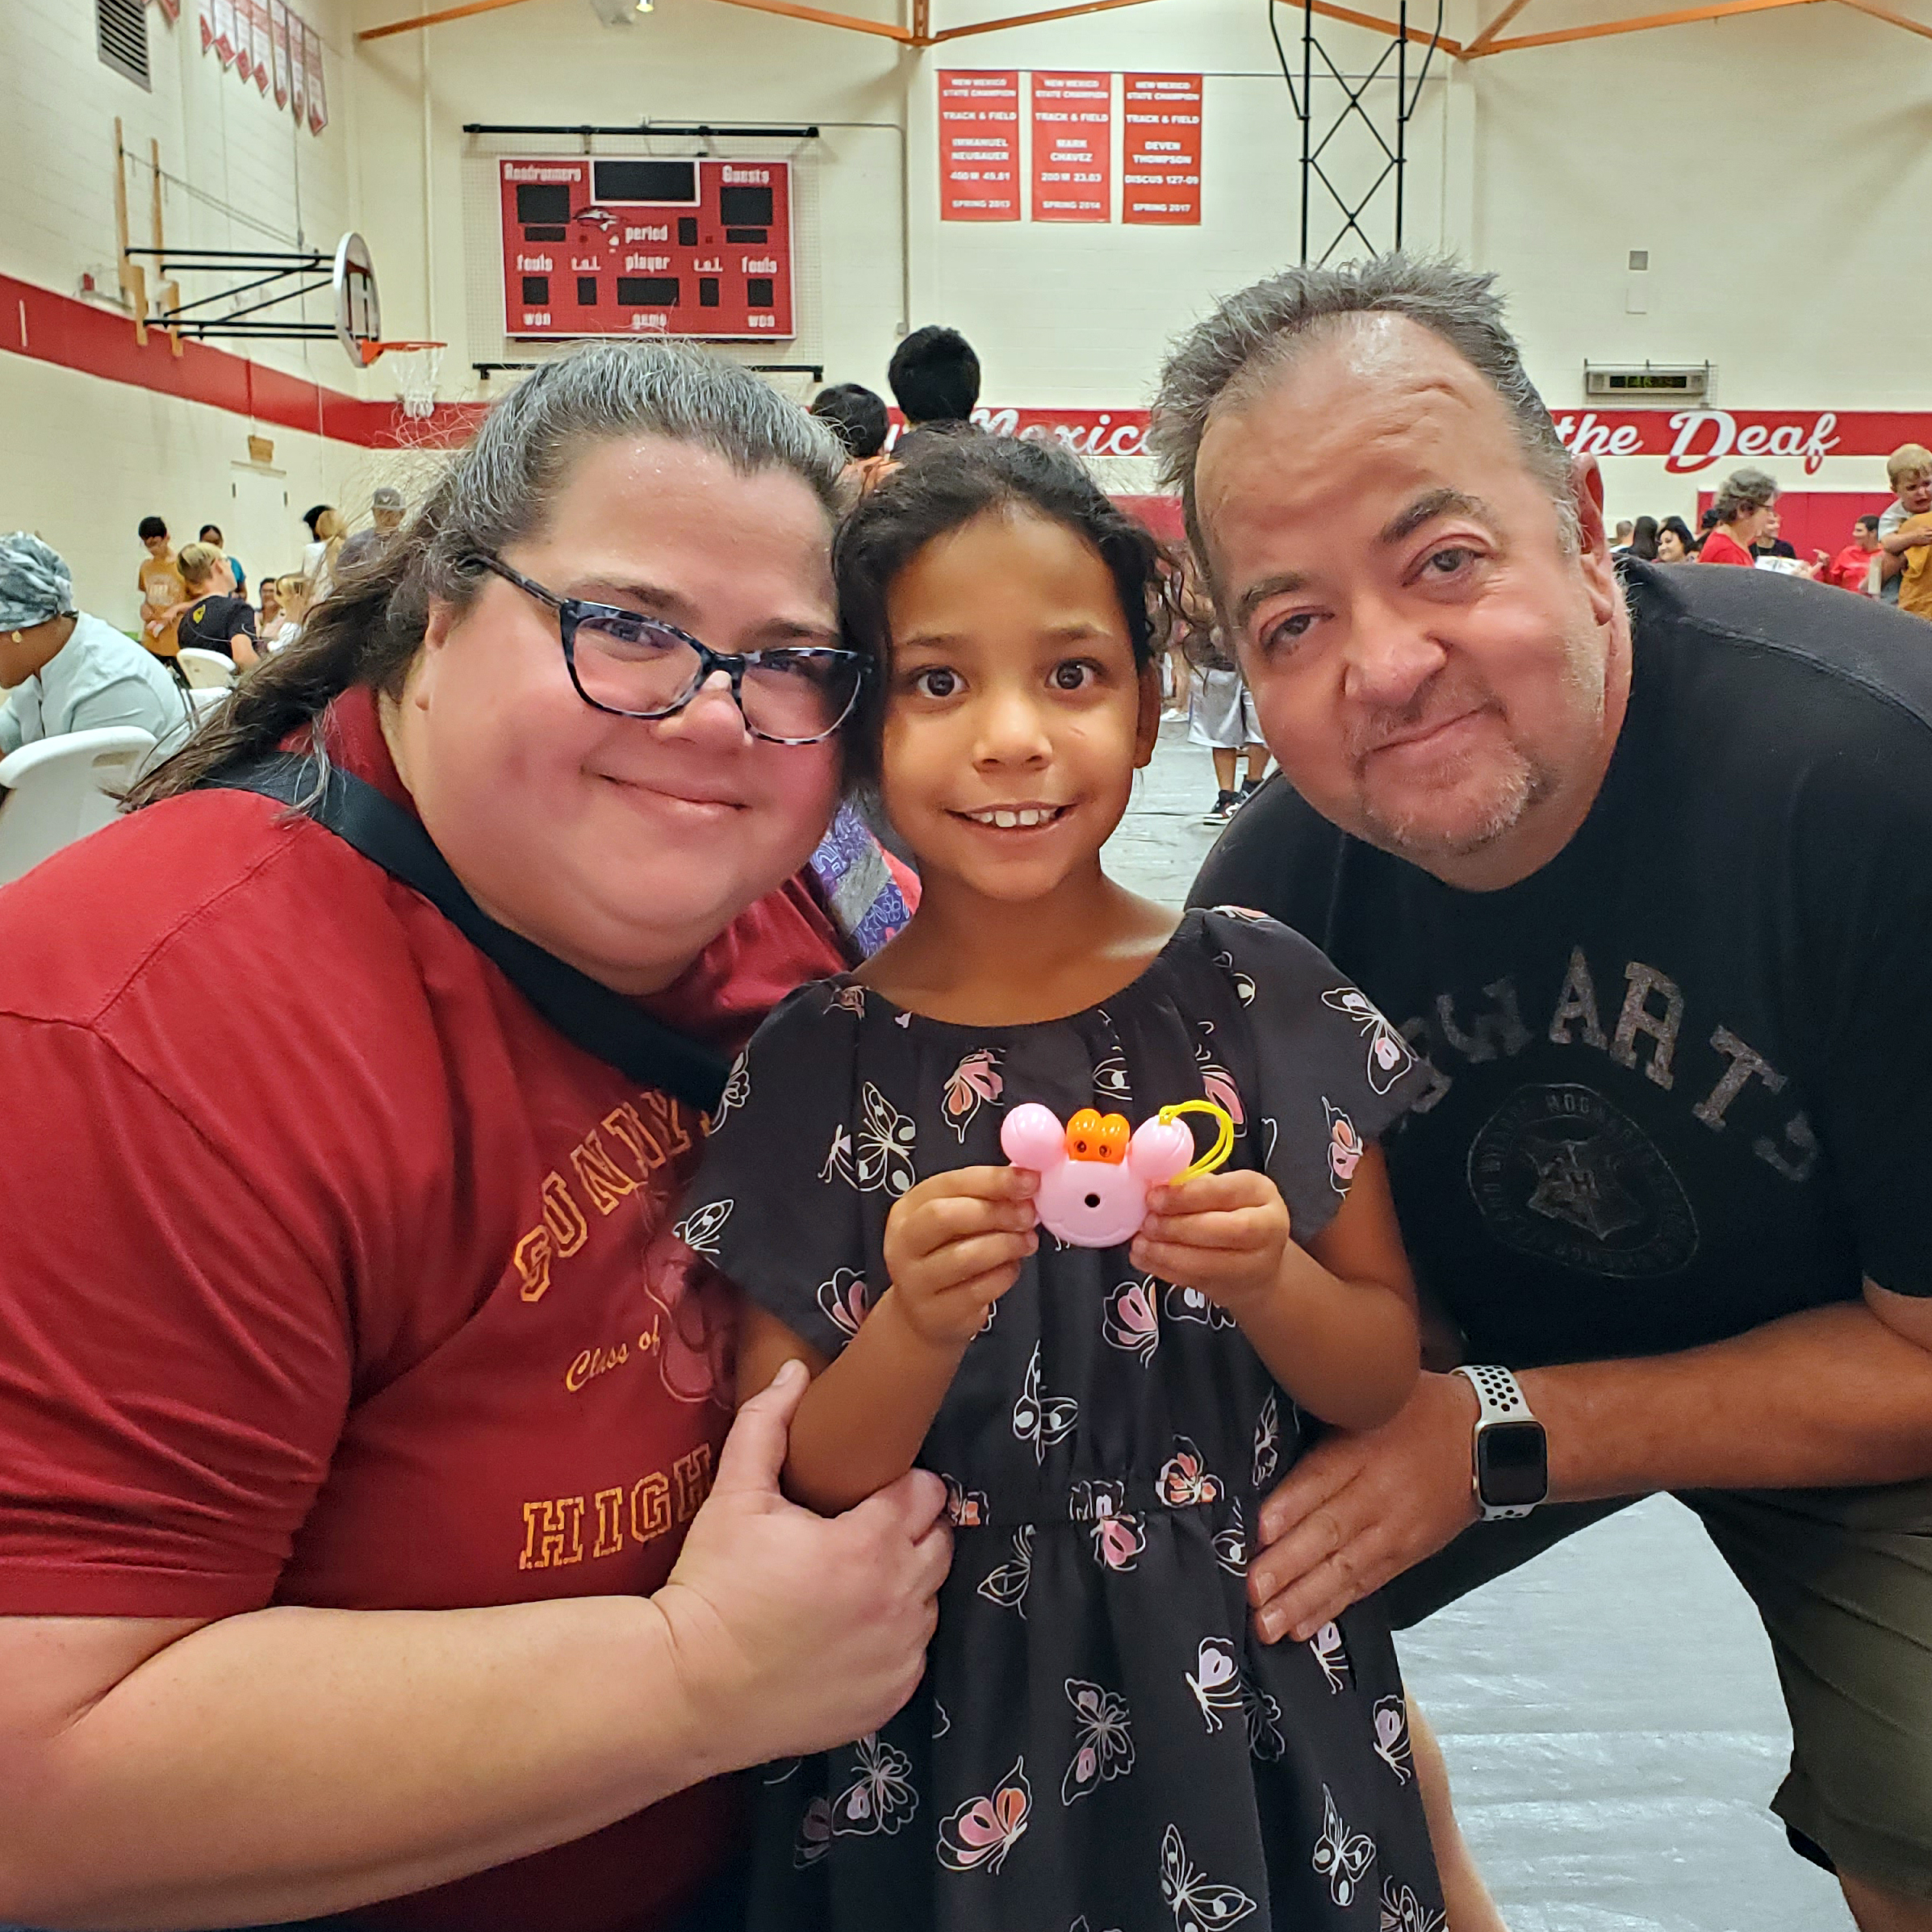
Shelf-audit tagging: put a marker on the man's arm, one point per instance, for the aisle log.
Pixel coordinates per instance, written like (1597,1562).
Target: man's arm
(1831,1397)
(291,1762)
(126,700)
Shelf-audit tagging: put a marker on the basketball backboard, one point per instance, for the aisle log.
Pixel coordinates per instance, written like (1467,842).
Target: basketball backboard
(358,311)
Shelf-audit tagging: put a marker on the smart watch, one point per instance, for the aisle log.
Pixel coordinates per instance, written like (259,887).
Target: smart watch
(1510,1456)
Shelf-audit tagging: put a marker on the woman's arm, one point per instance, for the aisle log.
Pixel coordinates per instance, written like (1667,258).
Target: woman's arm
(953,1246)
(1335,1322)
(287,1763)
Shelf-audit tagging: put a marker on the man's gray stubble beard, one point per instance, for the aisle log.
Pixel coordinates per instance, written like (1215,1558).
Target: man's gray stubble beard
(1534,781)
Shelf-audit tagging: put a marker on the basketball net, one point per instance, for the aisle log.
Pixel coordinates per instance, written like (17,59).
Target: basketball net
(416,372)
(414,367)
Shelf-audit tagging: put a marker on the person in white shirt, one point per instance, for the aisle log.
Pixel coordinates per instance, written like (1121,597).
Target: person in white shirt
(318,558)
(64,670)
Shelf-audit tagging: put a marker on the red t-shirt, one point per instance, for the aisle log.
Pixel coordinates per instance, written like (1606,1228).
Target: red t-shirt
(331,1275)
(1721,547)
(1850,568)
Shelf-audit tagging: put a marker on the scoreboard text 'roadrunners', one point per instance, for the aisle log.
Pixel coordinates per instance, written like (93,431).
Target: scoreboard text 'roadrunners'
(624,246)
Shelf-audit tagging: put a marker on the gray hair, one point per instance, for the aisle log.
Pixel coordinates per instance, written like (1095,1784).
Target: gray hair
(1743,491)
(497,491)
(1254,333)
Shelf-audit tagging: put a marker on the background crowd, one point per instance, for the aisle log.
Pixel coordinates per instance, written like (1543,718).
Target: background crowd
(197,599)
(1885,555)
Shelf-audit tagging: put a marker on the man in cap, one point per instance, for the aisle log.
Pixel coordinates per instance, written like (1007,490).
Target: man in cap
(1637,858)
(385,519)
(64,670)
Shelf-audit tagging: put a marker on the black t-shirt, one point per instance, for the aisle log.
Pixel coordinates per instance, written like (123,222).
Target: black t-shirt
(213,623)
(1683,1074)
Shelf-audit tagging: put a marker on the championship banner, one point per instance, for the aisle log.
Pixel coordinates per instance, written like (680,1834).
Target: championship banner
(1689,441)
(244,40)
(298,66)
(1160,172)
(979,144)
(317,87)
(1073,147)
(265,46)
(207,13)
(224,32)
(278,47)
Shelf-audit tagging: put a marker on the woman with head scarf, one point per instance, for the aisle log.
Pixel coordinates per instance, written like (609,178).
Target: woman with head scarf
(65,671)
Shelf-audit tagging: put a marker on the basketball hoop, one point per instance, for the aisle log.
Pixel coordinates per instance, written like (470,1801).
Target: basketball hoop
(417,365)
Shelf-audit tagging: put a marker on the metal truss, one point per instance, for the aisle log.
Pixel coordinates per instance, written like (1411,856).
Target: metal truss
(1381,102)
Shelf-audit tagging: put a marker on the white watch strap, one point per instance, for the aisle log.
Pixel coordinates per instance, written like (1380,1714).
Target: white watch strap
(1498,1393)
(1499,1398)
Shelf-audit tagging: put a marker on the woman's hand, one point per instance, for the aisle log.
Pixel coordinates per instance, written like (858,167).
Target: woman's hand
(1224,1234)
(792,1632)
(954,1245)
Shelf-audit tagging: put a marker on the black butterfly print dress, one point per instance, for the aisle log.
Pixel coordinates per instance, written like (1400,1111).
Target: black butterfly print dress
(1098,1737)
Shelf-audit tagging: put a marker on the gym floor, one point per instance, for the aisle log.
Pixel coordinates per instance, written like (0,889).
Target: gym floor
(1610,1713)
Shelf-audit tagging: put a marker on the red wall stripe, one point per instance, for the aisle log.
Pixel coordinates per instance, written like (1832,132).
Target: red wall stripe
(49,328)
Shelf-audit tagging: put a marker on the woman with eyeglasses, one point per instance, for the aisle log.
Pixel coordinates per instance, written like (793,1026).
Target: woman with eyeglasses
(360,1402)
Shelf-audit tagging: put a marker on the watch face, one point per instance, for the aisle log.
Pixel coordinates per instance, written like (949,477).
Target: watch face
(1512,1463)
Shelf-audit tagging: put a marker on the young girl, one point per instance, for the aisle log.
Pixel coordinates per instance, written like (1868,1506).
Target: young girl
(1098,1741)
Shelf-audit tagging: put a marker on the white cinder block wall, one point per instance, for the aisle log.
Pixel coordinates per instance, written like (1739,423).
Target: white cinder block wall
(85,459)
(1771,164)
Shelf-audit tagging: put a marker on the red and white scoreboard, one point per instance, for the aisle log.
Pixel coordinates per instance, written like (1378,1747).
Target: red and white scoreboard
(624,246)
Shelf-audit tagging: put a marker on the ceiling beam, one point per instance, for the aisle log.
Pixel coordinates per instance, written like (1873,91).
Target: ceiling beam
(1480,44)
(1683,17)
(792,10)
(1885,13)
(435,19)
(1057,13)
(1329,10)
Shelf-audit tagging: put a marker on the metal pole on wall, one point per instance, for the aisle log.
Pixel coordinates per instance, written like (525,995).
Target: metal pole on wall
(1402,109)
(1308,115)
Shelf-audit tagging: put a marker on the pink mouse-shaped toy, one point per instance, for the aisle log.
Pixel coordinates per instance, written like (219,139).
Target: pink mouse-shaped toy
(1094,1179)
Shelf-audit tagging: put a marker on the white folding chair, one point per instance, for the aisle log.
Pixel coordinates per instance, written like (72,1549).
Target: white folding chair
(61,789)
(206,670)
(204,698)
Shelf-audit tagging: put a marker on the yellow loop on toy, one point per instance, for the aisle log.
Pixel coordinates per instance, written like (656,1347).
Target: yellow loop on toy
(1223,1145)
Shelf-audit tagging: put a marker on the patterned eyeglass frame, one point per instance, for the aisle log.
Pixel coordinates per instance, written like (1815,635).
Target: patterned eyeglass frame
(571,612)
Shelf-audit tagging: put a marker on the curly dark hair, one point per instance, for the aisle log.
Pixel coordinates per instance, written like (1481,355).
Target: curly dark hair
(947,487)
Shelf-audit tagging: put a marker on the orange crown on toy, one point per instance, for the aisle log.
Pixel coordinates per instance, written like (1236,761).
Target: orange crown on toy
(1093,1135)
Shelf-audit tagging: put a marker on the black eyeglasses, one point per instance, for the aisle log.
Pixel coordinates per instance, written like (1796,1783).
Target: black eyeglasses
(637,667)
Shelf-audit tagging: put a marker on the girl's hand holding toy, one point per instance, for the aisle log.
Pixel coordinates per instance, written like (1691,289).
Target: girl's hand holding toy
(954,1245)
(1224,1234)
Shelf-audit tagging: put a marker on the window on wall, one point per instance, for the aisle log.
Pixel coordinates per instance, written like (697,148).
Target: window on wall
(121,34)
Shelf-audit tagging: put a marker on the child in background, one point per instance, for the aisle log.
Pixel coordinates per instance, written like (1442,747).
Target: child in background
(1220,712)
(163,594)
(291,607)
(1909,470)
(1098,1739)
(1909,474)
